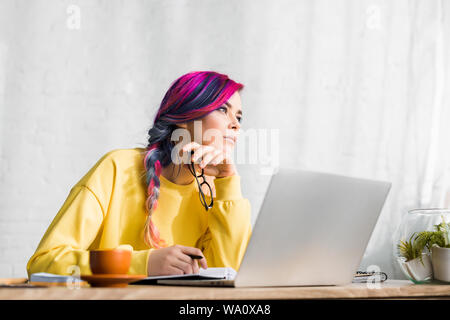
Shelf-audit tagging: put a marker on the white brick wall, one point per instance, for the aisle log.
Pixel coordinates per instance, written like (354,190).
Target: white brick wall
(70,95)
(314,69)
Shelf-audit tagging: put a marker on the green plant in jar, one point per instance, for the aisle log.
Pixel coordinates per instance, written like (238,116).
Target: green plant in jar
(440,236)
(418,242)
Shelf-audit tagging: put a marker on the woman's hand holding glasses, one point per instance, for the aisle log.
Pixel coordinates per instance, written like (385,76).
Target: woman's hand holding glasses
(213,161)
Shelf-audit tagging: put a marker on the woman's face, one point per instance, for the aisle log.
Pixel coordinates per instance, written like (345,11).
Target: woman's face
(220,127)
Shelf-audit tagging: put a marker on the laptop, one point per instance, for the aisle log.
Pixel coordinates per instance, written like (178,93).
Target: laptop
(312,230)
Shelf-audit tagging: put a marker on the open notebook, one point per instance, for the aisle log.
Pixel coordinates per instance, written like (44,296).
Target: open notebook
(230,274)
(225,273)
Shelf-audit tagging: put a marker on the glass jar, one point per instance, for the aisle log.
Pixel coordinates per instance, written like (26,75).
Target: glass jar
(418,270)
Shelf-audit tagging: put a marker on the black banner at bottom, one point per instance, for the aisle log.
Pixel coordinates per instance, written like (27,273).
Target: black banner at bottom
(221,309)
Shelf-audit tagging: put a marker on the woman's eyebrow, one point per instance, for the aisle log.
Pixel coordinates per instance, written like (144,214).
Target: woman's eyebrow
(229,105)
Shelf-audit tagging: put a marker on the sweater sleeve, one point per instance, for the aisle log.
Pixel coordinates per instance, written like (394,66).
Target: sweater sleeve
(67,241)
(229,225)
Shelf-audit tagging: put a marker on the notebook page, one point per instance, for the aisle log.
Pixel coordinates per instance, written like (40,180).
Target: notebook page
(216,273)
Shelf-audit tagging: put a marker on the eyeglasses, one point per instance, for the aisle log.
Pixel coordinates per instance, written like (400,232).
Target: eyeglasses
(201,194)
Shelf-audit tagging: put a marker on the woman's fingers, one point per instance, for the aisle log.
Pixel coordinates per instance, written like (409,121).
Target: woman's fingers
(217,159)
(188,260)
(208,157)
(197,252)
(174,270)
(204,152)
(185,266)
(201,152)
(214,161)
(195,267)
(191,146)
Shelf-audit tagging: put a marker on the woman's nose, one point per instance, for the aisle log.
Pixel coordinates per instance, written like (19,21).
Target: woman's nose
(234,123)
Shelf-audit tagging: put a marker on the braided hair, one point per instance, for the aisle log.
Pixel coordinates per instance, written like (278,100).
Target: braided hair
(190,97)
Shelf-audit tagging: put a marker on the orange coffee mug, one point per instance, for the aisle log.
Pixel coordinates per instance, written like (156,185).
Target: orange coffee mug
(109,261)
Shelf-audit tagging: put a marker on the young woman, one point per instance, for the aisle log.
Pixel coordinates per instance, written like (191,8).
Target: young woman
(167,201)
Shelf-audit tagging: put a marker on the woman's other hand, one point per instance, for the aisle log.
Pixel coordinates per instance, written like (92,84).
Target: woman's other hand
(174,260)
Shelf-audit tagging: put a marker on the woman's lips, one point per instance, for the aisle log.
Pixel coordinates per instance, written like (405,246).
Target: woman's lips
(231,139)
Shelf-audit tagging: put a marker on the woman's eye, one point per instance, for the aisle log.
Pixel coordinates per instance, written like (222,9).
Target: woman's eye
(225,110)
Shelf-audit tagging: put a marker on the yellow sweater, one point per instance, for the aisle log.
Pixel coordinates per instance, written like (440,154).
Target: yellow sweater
(106,209)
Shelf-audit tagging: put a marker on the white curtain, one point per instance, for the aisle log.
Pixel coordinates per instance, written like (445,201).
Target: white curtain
(354,87)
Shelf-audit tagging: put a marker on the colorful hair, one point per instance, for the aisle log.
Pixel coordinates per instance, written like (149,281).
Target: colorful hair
(190,97)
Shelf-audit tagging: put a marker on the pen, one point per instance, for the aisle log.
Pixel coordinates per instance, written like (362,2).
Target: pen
(193,256)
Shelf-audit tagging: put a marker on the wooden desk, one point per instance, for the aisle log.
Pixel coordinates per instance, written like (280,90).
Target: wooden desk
(389,289)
